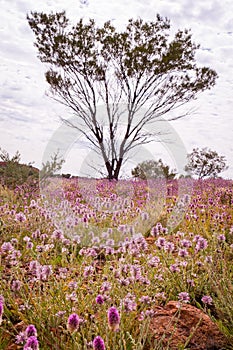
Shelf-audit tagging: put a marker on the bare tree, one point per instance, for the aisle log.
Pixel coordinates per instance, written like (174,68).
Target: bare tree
(140,68)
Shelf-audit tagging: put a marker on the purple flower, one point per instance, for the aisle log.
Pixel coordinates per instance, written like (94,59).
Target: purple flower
(135,272)
(99,299)
(33,204)
(71,297)
(98,343)
(63,272)
(144,216)
(31,331)
(169,247)
(191,282)
(156,230)
(222,238)
(36,234)
(7,247)
(43,272)
(161,242)
(73,285)
(201,243)
(21,338)
(145,299)
(106,286)
(174,268)
(184,297)
(1,310)
(16,285)
(31,344)
(209,259)
(34,266)
(150,313)
(57,235)
(46,271)
(206,299)
(113,319)
(129,303)
(29,245)
(73,323)
(183,253)
(88,271)
(60,313)
(154,261)
(186,243)
(20,217)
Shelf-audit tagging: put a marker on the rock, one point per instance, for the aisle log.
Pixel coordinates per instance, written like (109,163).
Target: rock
(173,327)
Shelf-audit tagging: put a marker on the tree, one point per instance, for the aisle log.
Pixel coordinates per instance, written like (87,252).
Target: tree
(139,67)
(13,173)
(205,162)
(151,169)
(50,169)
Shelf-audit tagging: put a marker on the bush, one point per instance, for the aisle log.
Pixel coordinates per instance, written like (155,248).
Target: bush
(13,173)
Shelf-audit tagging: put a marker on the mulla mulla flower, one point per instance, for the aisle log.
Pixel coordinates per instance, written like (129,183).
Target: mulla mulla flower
(31,331)
(73,323)
(98,343)
(1,310)
(99,299)
(20,217)
(206,299)
(31,344)
(184,297)
(113,319)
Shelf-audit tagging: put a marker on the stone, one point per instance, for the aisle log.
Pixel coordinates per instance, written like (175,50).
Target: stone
(175,325)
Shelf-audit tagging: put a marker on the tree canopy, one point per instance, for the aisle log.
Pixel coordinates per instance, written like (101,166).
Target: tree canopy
(151,169)
(13,173)
(205,163)
(142,68)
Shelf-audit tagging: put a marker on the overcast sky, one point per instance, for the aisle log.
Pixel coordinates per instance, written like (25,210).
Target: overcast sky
(28,118)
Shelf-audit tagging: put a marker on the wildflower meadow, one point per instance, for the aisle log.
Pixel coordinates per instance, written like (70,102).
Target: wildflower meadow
(83,264)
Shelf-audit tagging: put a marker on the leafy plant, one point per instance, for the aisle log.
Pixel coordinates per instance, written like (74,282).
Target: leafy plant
(13,173)
(205,163)
(151,169)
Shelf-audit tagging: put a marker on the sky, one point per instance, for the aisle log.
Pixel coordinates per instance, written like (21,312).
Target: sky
(29,118)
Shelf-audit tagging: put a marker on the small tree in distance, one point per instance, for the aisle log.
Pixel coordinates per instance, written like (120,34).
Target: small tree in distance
(50,168)
(151,169)
(142,68)
(205,163)
(13,173)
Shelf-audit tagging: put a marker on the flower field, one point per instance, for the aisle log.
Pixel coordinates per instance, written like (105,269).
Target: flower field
(84,262)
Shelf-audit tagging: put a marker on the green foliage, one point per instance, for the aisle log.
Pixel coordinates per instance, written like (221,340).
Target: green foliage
(13,173)
(151,169)
(50,169)
(205,163)
(141,66)
(143,48)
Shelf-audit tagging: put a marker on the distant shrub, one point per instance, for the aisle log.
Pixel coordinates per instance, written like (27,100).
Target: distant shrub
(151,169)
(13,173)
(205,163)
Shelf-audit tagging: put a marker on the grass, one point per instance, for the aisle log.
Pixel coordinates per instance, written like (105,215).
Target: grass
(64,253)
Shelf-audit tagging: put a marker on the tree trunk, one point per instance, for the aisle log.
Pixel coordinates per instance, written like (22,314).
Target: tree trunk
(113,174)
(118,168)
(109,170)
